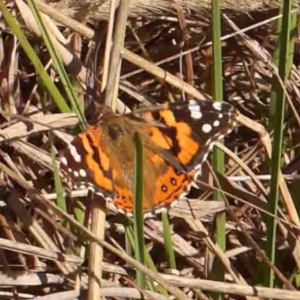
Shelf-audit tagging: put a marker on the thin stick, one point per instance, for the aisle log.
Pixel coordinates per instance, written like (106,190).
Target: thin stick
(115,60)
(108,44)
(110,78)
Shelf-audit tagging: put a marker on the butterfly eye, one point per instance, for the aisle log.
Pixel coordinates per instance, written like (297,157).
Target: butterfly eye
(115,131)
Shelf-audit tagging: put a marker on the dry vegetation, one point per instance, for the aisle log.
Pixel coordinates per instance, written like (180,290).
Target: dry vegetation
(41,254)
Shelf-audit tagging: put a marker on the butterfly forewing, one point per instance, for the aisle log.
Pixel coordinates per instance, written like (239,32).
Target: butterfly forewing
(192,128)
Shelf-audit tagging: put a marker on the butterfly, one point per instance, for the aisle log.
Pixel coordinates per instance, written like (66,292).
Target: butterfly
(176,139)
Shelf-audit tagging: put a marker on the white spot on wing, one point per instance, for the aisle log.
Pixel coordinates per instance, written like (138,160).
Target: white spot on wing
(63,161)
(216,123)
(91,188)
(74,153)
(195,110)
(193,102)
(121,211)
(194,107)
(196,114)
(206,128)
(76,174)
(82,173)
(217,105)
(220,116)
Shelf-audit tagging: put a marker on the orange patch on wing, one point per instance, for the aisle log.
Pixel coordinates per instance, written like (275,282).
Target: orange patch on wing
(189,148)
(96,135)
(99,178)
(183,128)
(186,143)
(168,117)
(123,199)
(169,186)
(157,160)
(159,138)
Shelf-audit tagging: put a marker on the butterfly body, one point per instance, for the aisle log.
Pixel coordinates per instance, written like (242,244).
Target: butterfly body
(176,139)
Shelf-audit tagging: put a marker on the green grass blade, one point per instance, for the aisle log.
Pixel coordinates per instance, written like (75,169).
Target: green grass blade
(168,241)
(16,30)
(58,64)
(129,231)
(138,218)
(277,116)
(218,156)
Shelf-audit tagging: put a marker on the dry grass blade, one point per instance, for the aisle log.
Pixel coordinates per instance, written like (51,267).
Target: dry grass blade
(95,10)
(37,123)
(44,253)
(242,290)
